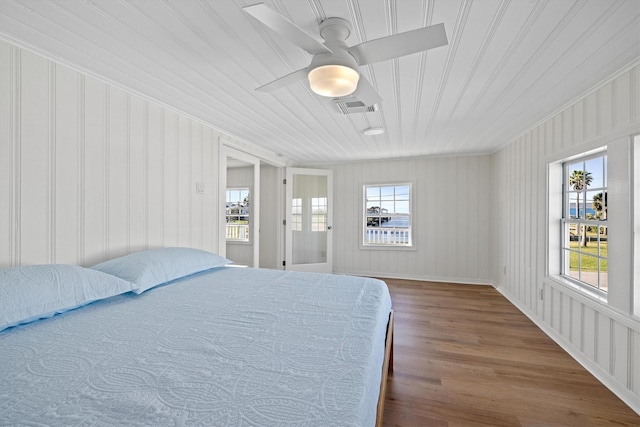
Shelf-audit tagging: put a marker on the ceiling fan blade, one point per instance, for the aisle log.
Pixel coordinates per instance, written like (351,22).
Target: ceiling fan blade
(397,45)
(281,25)
(366,93)
(285,80)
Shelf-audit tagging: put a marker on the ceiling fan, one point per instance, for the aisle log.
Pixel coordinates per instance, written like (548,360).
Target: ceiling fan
(333,71)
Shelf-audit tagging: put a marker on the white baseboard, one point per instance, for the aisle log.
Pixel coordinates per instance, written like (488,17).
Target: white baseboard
(626,395)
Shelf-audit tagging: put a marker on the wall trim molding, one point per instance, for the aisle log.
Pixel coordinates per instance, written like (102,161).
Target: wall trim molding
(51,162)
(16,119)
(82,193)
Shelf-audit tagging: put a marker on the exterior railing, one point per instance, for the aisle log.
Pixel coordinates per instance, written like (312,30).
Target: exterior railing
(238,232)
(387,236)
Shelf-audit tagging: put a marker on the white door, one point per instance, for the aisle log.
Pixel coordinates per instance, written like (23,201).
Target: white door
(308,226)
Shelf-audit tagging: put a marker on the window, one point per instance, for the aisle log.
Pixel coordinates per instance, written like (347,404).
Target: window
(318,214)
(387,215)
(296,214)
(237,213)
(584,241)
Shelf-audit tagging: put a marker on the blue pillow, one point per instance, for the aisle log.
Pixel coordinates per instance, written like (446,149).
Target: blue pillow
(40,291)
(154,267)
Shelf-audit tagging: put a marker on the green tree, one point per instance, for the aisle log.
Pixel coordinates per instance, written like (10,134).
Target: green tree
(580,181)
(600,205)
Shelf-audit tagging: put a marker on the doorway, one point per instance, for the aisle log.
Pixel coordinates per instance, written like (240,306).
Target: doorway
(239,225)
(309,219)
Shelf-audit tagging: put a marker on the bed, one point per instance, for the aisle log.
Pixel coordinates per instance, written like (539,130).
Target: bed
(204,344)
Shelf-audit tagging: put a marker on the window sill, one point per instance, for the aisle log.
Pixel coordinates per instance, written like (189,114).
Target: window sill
(238,242)
(582,290)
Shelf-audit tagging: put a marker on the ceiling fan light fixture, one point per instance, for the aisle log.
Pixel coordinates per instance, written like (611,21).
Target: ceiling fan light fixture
(333,80)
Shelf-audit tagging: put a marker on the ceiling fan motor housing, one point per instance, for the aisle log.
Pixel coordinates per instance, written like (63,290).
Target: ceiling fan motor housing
(335,31)
(334,74)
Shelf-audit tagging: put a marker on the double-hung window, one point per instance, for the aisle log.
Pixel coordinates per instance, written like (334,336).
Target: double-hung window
(296,214)
(387,215)
(319,209)
(237,214)
(584,237)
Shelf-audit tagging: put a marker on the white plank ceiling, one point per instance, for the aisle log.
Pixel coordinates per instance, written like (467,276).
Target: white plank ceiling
(509,64)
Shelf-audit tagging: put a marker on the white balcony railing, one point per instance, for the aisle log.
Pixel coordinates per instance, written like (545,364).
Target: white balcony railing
(238,232)
(387,236)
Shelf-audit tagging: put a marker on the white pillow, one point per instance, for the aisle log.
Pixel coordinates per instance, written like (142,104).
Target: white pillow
(40,291)
(154,267)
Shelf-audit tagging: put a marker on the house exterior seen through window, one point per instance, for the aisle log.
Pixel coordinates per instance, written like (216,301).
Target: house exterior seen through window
(387,215)
(237,214)
(584,241)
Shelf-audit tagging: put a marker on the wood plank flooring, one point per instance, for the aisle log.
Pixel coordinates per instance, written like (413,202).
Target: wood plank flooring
(465,356)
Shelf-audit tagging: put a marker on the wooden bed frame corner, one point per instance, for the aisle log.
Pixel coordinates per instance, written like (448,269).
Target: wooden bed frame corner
(387,368)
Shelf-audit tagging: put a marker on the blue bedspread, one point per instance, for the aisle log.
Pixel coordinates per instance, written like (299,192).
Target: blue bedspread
(228,347)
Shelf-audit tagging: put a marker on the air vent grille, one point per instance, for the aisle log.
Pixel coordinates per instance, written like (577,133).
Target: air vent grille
(351,106)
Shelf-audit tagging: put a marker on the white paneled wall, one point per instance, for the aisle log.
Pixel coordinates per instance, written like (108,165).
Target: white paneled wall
(451,209)
(89,171)
(605,338)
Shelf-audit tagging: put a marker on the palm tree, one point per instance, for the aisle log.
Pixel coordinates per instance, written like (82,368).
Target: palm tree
(580,181)
(599,206)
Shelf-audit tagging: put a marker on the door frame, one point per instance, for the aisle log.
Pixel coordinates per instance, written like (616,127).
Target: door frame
(288,233)
(225,152)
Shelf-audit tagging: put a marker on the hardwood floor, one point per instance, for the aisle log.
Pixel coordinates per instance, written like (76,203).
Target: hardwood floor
(465,356)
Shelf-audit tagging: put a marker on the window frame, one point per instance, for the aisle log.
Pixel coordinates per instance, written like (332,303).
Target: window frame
(363,244)
(583,223)
(296,214)
(635,223)
(319,213)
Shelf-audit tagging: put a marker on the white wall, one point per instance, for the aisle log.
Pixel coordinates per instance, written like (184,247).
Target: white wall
(451,219)
(89,171)
(604,338)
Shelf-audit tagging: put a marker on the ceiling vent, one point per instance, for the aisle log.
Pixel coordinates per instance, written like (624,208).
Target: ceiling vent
(354,105)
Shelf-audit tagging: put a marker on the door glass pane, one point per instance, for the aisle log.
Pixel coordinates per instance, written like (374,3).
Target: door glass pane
(309,219)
